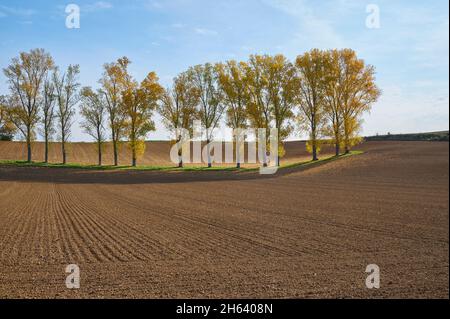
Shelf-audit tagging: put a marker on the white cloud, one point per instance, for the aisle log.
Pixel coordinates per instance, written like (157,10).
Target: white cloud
(206,32)
(16,11)
(152,4)
(97,6)
(432,49)
(247,48)
(312,31)
(400,111)
(178,25)
(415,38)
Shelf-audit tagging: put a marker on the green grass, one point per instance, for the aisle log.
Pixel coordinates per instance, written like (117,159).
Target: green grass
(321,161)
(167,168)
(111,167)
(53,165)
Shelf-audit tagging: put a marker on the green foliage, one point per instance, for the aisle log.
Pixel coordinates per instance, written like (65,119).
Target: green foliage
(5,137)
(318,143)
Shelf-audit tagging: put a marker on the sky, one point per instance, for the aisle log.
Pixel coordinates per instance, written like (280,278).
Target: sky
(409,47)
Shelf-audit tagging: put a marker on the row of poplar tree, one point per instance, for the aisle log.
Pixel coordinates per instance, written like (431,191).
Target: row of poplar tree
(323,92)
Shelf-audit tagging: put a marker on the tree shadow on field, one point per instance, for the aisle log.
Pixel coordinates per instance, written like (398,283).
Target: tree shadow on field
(131,177)
(33,174)
(76,176)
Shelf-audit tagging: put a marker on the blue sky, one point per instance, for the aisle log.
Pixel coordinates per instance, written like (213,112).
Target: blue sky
(410,50)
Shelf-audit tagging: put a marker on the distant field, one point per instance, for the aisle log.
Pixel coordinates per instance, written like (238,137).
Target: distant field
(433,136)
(156,154)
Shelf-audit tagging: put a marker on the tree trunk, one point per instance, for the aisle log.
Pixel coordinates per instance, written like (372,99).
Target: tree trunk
(277,150)
(314,150)
(238,154)
(29,145)
(338,146)
(346,143)
(314,140)
(314,143)
(208,151)
(265,164)
(63,148)
(346,138)
(180,152)
(46,150)
(264,154)
(116,157)
(134,160)
(337,136)
(29,151)
(99,154)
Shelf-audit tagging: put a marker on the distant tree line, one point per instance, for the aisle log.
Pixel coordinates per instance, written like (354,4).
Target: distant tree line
(323,93)
(442,136)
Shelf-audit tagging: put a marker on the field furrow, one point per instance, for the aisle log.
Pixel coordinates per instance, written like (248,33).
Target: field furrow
(304,233)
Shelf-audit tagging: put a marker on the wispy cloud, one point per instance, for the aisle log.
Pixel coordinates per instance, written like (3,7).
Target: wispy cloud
(247,48)
(5,10)
(97,6)
(206,32)
(311,28)
(153,4)
(178,25)
(410,50)
(432,46)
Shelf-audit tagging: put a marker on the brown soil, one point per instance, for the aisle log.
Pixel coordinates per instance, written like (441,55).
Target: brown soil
(300,234)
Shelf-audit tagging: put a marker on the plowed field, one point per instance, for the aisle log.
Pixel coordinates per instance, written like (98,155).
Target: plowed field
(305,232)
